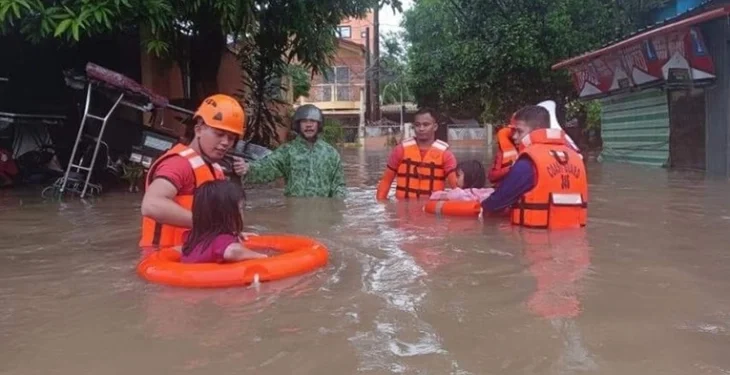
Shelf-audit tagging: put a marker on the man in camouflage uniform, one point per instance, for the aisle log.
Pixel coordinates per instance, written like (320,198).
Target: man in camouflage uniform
(309,165)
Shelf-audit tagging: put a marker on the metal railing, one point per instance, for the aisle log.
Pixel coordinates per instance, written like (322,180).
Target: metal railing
(335,92)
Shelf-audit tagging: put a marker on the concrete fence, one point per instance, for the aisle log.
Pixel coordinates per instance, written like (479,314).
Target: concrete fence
(456,133)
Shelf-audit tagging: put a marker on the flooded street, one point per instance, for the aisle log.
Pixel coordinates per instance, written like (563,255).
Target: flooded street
(644,289)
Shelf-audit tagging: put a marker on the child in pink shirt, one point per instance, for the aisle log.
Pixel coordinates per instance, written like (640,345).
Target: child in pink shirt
(471,179)
(217,225)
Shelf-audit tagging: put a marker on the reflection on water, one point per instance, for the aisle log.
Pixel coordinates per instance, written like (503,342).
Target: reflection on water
(643,289)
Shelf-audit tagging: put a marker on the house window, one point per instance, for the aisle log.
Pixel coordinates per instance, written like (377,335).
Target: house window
(339,80)
(326,94)
(337,75)
(344,32)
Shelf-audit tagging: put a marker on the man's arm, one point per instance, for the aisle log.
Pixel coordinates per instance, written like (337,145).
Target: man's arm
(389,175)
(384,185)
(339,190)
(519,180)
(268,169)
(450,164)
(158,204)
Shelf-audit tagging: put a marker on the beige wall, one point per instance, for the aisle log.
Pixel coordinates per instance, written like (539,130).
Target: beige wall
(165,78)
(351,58)
(357,26)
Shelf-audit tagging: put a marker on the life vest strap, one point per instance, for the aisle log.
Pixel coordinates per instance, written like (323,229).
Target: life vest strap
(157,234)
(545,206)
(418,192)
(416,175)
(523,207)
(420,174)
(411,162)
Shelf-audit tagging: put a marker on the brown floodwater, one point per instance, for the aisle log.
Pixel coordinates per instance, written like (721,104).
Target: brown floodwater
(644,289)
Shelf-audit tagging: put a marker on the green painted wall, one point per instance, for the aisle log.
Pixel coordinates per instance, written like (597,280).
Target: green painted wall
(635,128)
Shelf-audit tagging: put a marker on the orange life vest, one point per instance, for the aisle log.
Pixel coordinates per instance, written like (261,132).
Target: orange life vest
(560,196)
(506,157)
(164,235)
(415,177)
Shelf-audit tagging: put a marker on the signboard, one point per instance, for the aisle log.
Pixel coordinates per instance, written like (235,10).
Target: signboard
(676,58)
(678,76)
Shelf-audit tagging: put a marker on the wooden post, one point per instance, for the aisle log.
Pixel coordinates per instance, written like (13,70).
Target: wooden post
(489,128)
(361,125)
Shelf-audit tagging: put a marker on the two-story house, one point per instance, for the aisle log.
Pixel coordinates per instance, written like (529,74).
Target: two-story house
(340,91)
(664,90)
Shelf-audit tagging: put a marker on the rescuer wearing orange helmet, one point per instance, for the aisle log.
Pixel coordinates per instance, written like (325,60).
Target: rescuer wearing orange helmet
(172,179)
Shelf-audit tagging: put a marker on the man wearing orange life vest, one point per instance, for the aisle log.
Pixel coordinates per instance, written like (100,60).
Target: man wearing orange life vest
(172,179)
(547,186)
(420,165)
(507,154)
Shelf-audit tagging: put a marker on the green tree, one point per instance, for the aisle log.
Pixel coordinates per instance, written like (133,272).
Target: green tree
(333,132)
(490,57)
(271,35)
(301,32)
(301,82)
(394,70)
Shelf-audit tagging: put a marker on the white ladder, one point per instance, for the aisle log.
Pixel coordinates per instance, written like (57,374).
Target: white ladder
(80,166)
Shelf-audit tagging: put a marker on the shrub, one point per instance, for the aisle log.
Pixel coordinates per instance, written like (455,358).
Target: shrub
(333,132)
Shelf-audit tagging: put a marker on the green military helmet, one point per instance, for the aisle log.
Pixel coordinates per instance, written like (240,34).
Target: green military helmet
(308,112)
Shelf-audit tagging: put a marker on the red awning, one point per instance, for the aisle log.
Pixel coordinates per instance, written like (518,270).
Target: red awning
(687,22)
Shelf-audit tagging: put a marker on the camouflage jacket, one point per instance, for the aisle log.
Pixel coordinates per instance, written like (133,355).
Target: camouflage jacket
(309,170)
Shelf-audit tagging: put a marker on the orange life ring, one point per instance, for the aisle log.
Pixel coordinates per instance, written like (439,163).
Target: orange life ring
(300,255)
(454,208)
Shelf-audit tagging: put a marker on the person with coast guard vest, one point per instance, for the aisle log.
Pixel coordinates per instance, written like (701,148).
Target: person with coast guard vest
(173,178)
(420,165)
(547,186)
(507,152)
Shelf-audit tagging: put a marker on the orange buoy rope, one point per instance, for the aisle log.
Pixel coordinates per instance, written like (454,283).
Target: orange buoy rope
(299,255)
(454,208)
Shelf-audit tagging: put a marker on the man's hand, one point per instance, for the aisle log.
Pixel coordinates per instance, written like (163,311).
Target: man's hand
(240,167)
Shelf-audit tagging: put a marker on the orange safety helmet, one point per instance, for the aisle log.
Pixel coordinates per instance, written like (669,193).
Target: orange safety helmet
(223,112)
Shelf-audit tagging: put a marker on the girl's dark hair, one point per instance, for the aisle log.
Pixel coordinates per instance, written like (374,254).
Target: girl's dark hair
(474,175)
(215,212)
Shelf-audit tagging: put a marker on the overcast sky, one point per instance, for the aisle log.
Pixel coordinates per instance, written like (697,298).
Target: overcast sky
(390,21)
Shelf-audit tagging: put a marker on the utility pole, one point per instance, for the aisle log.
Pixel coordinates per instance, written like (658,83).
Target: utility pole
(402,106)
(376,56)
(368,61)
